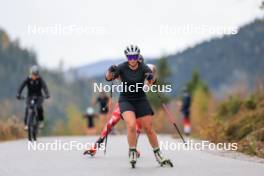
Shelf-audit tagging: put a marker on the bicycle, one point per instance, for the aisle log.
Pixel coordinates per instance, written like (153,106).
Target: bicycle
(32,117)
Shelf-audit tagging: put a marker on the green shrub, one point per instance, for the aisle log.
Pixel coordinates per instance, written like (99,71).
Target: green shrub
(230,107)
(251,103)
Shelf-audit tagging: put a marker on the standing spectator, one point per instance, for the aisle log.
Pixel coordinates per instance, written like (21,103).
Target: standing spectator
(89,116)
(186,104)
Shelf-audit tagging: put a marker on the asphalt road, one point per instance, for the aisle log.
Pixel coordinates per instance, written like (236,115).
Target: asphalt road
(17,160)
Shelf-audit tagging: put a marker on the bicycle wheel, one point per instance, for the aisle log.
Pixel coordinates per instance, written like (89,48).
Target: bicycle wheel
(30,125)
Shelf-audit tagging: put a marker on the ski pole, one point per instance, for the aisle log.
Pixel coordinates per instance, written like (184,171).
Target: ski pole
(170,117)
(110,111)
(106,139)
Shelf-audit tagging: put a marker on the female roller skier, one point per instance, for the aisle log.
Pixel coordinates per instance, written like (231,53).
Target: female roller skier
(133,103)
(115,118)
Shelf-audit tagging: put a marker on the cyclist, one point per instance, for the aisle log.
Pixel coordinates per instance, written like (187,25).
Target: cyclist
(35,85)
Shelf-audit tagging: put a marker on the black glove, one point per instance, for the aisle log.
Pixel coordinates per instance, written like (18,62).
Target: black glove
(18,96)
(112,68)
(149,76)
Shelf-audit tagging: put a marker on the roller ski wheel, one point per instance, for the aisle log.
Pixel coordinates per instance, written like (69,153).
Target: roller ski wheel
(166,162)
(161,160)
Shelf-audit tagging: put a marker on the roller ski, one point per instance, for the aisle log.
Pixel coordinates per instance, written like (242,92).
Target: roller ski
(133,157)
(161,160)
(92,151)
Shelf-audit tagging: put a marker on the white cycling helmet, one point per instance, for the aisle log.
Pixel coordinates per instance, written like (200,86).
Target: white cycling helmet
(132,50)
(34,70)
(90,111)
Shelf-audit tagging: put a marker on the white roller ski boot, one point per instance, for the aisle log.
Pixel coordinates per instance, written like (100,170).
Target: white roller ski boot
(161,160)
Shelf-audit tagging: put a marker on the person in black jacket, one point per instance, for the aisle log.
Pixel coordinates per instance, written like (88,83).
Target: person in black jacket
(186,105)
(89,116)
(35,86)
(103,102)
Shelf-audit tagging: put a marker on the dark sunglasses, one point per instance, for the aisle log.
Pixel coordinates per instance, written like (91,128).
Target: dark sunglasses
(132,57)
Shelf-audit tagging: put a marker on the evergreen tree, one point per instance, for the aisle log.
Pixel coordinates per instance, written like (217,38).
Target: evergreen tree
(196,83)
